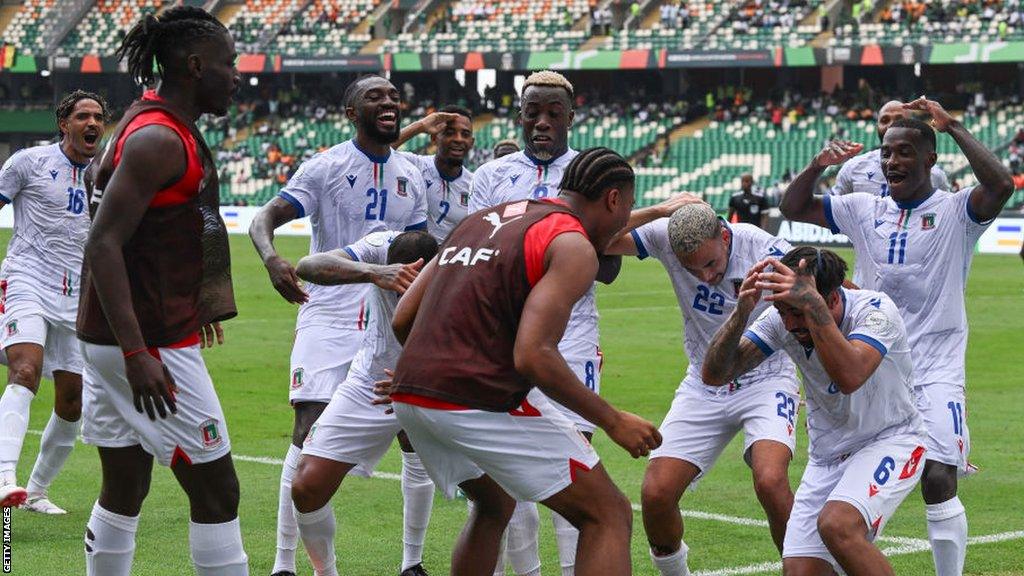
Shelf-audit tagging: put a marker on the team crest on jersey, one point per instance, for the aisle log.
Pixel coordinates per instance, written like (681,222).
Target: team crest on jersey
(53,174)
(351,180)
(928,221)
(12,327)
(297,378)
(309,435)
(211,434)
(464,199)
(403,186)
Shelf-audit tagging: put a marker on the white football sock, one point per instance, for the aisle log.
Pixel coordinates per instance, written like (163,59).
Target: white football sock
(521,535)
(58,440)
(317,531)
(217,549)
(418,499)
(566,535)
(14,411)
(287,530)
(109,543)
(673,564)
(947,532)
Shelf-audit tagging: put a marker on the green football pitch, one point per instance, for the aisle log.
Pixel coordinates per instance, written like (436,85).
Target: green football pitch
(641,338)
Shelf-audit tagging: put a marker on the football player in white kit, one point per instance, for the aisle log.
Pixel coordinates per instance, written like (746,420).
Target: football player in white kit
(448,182)
(40,294)
(348,191)
(707,260)
(353,434)
(866,435)
(916,246)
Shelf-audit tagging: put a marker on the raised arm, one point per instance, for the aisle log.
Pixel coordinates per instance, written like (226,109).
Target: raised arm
(995,183)
(282,275)
(623,244)
(799,202)
(729,356)
(338,267)
(152,158)
(432,124)
(849,363)
(570,268)
(409,303)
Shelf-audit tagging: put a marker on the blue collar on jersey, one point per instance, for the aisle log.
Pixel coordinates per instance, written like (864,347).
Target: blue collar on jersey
(533,159)
(73,163)
(373,157)
(445,178)
(913,204)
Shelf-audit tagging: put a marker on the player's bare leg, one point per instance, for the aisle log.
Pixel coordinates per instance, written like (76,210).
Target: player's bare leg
(476,550)
(604,517)
(417,503)
(110,533)
(25,363)
(844,532)
(306,413)
(769,461)
(215,537)
(665,481)
(947,520)
(57,442)
(314,485)
(803,566)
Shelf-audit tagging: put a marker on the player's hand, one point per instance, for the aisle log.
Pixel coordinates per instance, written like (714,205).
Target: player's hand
(941,119)
(749,294)
(152,385)
(668,207)
(794,287)
(397,277)
(836,152)
(383,390)
(210,334)
(435,123)
(636,435)
(285,280)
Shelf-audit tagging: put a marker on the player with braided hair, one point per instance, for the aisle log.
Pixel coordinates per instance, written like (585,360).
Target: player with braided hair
(155,284)
(40,294)
(492,308)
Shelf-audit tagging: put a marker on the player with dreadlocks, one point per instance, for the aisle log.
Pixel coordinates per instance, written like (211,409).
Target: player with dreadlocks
(40,294)
(155,283)
(492,309)
(349,191)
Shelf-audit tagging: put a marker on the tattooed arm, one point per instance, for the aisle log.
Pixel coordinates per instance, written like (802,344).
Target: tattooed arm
(849,363)
(728,356)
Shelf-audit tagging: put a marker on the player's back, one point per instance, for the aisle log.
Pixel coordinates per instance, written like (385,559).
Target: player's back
(349,193)
(51,223)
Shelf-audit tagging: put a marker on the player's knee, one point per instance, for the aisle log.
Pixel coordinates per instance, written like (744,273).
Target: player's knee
(656,494)
(307,492)
(24,373)
(938,482)
(217,501)
(69,409)
(838,523)
(616,511)
(771,482)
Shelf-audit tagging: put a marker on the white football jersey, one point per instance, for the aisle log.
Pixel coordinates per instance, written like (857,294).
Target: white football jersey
(918,254)
(837,423)
(380,349)
(51,217)
(347,194)
(863,173)
(518,177)
(447,199)
(705,308)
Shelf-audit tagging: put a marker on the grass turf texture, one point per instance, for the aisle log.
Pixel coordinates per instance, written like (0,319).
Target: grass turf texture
(641,338)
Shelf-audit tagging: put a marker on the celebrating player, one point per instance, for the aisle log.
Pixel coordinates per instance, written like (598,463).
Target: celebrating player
(157,273)
(866,436)
(352,434)
(491,310)
(707,259)
(348,191)
(448,183)
(40,294)
(916,246)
